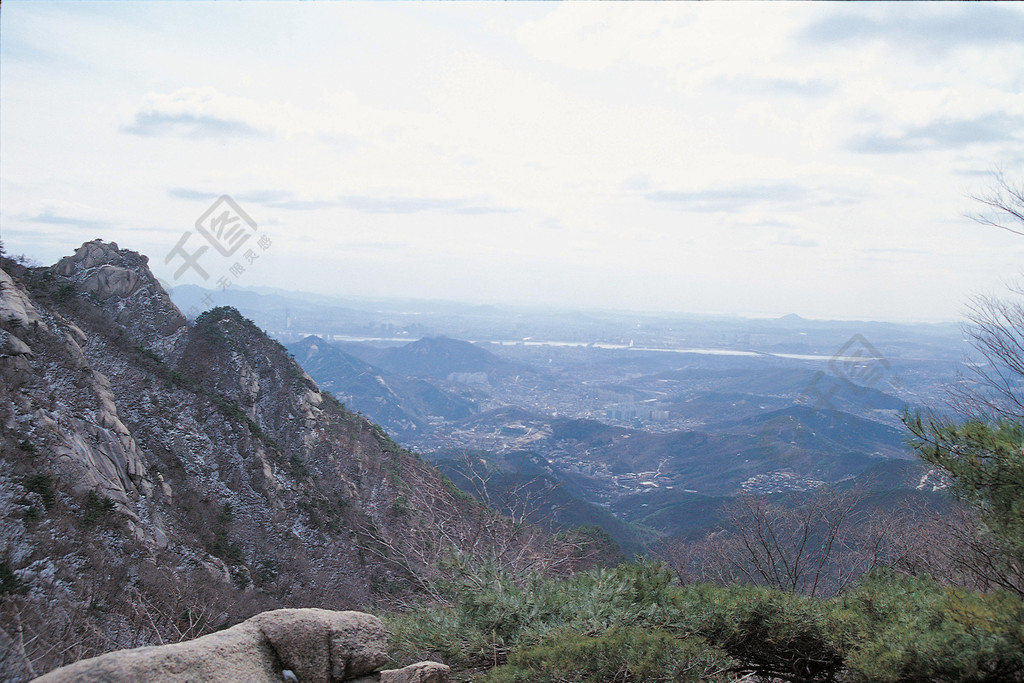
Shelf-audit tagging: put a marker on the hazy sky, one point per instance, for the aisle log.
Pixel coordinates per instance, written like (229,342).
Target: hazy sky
(705,158)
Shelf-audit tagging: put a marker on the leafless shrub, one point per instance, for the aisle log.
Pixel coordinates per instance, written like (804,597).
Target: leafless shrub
(815,545)
(955,549)
(460,535)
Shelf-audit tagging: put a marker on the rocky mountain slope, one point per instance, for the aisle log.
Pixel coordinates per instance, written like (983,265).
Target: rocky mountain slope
(402,404)
(161,479)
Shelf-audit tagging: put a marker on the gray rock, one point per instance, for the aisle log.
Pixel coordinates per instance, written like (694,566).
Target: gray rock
(12,346)
(112,281)
(315,644)
(424,672)
(14,302)
(356,642)
(89,255)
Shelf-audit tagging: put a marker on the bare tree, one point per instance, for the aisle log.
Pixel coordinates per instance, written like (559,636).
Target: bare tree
(790,546)
(815,545)
(521,497)
(994,385)
(461,535)
(955,549)
(1004,206)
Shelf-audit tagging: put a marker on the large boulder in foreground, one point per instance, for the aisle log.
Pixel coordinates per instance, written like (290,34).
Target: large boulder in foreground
(314,644)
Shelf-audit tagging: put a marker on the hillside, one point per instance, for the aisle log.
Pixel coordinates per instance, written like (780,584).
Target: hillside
(401,404)
(441,357)
(159,479)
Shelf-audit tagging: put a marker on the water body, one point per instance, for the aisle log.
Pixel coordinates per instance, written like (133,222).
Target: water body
(621,347)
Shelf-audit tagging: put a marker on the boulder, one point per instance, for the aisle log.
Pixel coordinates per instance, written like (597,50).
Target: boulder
(423,672)
(314,644)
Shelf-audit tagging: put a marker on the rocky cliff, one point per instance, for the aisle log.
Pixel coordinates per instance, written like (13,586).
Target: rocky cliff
(160,479)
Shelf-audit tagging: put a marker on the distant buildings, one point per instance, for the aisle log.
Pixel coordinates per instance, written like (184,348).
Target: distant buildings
(633,411)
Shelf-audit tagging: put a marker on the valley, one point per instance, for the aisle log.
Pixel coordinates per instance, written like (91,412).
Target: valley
(638,415)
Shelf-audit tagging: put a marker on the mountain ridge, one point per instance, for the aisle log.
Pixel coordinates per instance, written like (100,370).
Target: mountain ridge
(161,479)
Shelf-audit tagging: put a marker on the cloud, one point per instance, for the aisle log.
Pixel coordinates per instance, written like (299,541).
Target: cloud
(942,134)
(791,240)
(893,250)
(763,85)
(51,218)
(156,124)
(281,199)
(732,198)
(369,204)
(186,193)
(198,114)
(929,27)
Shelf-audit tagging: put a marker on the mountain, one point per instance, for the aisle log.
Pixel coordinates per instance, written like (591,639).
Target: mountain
(161,479)
(401,404)
(524,485)
(443,357)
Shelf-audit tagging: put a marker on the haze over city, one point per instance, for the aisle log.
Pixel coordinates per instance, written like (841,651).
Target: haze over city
(718,159)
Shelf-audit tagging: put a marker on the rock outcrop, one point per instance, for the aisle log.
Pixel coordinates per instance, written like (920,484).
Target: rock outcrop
(161,479)
(287,644)
(423,672)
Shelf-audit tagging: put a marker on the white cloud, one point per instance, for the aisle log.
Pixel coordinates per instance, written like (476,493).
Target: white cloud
(617,154)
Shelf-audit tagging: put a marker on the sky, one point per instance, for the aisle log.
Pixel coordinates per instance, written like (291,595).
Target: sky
(724,158)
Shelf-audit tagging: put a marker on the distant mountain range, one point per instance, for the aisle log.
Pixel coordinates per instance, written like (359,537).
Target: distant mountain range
(402,403)
(712,408)
(437,357)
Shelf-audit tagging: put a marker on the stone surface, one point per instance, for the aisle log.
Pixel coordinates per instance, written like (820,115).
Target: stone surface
(110,281)
(12,346)
(315,644)
(424,672)
(127,290)
(356,643)
(14,303)
(197,440)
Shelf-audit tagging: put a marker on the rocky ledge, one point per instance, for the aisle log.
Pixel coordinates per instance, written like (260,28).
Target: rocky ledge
(280,645)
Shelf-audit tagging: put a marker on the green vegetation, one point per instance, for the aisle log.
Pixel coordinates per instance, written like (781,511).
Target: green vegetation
(266,572)
(400,506)
(326,511)
(985,462)
(65,293)
(636,623)
(222,546)
(227,408)
(42,483)
(296,466)
(623,653)
(96,509)
(9,581)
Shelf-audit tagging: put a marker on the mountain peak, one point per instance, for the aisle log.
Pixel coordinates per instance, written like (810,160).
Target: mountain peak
(440,357)
(125,288)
